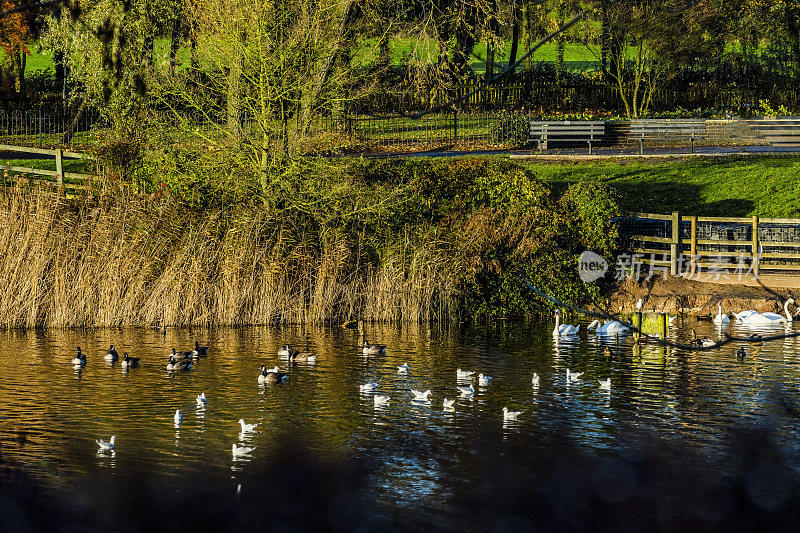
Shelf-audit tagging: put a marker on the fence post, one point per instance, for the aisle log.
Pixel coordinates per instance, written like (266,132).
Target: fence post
(755,260)
(40,128)
(675,246)
(60,167)
(455,125)
(693,245)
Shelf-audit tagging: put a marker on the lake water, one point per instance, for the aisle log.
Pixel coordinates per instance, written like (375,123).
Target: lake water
(683,438)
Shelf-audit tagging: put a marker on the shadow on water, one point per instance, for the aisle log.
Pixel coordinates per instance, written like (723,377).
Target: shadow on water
(650,483)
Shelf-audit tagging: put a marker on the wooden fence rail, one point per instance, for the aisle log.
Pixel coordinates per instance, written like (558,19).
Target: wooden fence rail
(687,245)
(59,173)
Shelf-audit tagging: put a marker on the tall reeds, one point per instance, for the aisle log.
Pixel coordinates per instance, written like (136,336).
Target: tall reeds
(133,260)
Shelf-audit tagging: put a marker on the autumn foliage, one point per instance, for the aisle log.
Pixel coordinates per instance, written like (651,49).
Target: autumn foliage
(14,33)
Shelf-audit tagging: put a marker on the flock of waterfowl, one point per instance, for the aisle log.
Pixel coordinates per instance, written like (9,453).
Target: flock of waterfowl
(749,318)
(178,361)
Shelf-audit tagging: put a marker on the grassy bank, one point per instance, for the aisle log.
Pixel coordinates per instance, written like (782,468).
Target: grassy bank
(763,186)
(400,241)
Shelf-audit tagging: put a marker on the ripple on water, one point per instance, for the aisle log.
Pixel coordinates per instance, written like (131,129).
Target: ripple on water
(50,415)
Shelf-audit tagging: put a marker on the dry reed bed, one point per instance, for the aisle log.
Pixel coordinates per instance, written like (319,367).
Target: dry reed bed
(134,260)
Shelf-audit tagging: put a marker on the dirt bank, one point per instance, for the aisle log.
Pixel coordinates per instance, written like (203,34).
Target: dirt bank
(676,295)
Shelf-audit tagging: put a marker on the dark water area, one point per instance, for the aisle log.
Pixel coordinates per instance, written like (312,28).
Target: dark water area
(681,439)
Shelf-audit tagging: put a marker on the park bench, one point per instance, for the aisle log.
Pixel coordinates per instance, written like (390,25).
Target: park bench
(543,132)
(781,132)
(671,130)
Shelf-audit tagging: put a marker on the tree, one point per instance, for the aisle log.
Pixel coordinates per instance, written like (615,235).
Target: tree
(15,31)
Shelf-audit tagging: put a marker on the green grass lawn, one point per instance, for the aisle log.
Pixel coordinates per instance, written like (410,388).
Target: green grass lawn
(738,187)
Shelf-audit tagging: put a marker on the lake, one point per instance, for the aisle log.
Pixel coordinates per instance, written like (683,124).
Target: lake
(680,440)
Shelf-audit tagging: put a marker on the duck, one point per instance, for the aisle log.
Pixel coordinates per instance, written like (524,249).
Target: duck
(247,428)
(464,374)
(368,387)
(467,392)
(188,356)
(271,376)
(240,450)
(610,327)
(447,405)
(178,418)
(535,380)
(285,350)
(741,354)
(303,357)
(402,369)
(199,350)
(111,355)
(128,361)
(80,358)
(607,352)
(421,396)
(174,364)
(372,349)
(201,399)
(561,330)
(510,415)
(380,400)
(605,384)
(572,377)
(483,381)
(720,318)
(107,446)
(705,342)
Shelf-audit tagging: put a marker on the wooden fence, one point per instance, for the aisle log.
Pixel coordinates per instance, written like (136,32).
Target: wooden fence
(687,245)
(59,173)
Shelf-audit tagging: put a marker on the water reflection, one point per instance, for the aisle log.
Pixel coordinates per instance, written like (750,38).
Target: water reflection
(694,397)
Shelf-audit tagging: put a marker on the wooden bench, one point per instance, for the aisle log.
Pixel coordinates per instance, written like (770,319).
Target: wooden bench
(543,132)
(681,130)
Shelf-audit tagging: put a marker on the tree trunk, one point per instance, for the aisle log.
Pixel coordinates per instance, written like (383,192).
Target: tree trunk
(792,15)
(325,67)
(234,92)
(489,61)
(174,43)
(605,39)
(73,126)
(515,28)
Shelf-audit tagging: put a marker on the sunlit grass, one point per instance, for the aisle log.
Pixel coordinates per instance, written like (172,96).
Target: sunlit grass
(763,186)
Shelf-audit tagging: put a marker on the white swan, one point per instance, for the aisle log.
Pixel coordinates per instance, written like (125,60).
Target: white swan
(421,396)
(380,400)
(464,374)
(484,381)
(744,314)
(447,405)
(605,385)
(535,380)
(467,392)
(610,327)
(769,319)
(721,319)
(510,415)
(240,450)
(178,418)
(107,446)
(247,428)
(201,399)
(563,329)
(572,377)
(402,369)
(368,387)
